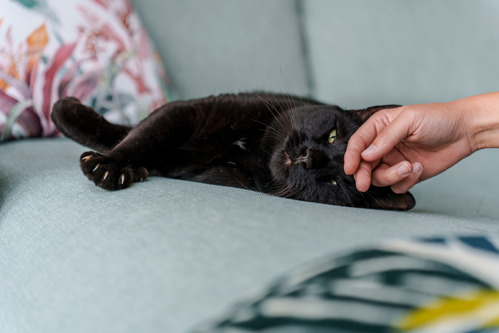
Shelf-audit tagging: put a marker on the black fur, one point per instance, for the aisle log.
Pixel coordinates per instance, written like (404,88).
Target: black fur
(272,143)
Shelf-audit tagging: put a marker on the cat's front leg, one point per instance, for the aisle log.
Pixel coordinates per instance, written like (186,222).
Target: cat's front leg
(110,173)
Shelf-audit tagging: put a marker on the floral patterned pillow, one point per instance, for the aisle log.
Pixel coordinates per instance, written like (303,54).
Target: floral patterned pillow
(95,50)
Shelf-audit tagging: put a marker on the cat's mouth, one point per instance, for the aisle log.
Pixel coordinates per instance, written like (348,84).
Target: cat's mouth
(287,160)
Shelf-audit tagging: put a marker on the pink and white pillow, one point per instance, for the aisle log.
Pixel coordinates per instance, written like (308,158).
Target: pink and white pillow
(95,50)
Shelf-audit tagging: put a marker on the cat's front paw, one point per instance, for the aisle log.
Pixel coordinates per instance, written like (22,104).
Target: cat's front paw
(109,173)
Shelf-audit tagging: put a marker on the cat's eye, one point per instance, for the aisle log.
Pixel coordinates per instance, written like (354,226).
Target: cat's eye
(332,137)
(334,182)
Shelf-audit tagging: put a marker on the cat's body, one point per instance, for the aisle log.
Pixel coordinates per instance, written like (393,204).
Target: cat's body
(276,144)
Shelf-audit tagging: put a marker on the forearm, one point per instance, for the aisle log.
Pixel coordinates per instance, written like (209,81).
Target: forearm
(481,115)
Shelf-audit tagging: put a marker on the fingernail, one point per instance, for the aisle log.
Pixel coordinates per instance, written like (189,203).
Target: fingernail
(404,170)
(417,168)
(370,150)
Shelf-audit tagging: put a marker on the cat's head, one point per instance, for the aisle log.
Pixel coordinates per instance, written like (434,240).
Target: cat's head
(307,146)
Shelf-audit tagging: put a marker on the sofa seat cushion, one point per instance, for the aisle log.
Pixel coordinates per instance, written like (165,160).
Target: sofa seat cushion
(164,255)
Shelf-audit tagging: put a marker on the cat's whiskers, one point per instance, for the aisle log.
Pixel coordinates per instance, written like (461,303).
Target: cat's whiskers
(272,109)
(288,85)
(292,117)
(290,105)
(283,119)
(272,187)
(291,192)
(291,101)
(372,197)
(346,196)
(283,190)
(275,133)
(242,185)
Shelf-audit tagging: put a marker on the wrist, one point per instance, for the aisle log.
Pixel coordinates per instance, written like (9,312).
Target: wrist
(480,117)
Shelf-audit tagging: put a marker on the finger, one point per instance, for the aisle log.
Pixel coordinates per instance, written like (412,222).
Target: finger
(359,141)
(352,158)
(365,136)
(389,137)
(394,157)
(386,175)
(411,180)
(363,176)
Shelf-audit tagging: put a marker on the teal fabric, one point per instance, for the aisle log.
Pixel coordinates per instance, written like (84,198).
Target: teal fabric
(366,52)
(220,46)
(164,255)
(469,190)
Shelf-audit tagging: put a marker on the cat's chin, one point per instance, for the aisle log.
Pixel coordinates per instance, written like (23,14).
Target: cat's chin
(343,193)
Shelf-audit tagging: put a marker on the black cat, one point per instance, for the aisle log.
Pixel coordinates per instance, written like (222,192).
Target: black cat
(278,144)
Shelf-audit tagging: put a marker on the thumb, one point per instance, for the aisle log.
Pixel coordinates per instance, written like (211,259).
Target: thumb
(388,138)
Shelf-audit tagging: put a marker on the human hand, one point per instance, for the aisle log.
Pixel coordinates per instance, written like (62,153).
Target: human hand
(400,147)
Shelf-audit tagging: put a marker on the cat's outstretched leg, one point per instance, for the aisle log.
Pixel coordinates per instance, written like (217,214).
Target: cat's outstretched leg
(109,173)
(82,124)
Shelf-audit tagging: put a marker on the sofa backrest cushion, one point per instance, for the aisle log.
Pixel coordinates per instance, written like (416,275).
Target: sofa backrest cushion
(366,52)
(220,46)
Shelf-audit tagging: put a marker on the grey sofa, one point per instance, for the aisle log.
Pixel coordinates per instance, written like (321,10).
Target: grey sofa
(166,255)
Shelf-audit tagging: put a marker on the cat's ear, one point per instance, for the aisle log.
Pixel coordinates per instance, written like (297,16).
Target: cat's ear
(384,198)
(364,114)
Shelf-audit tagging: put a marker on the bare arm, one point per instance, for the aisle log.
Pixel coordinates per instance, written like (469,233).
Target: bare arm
(400,147)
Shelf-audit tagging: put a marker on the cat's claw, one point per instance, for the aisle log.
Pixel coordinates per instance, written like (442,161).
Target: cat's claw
(109,173)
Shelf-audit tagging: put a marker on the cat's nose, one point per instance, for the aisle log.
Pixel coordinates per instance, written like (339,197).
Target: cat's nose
(312,159)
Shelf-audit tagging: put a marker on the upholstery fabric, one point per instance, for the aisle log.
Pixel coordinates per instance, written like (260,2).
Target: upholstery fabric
(76,258)
(366,52)
(228,46)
